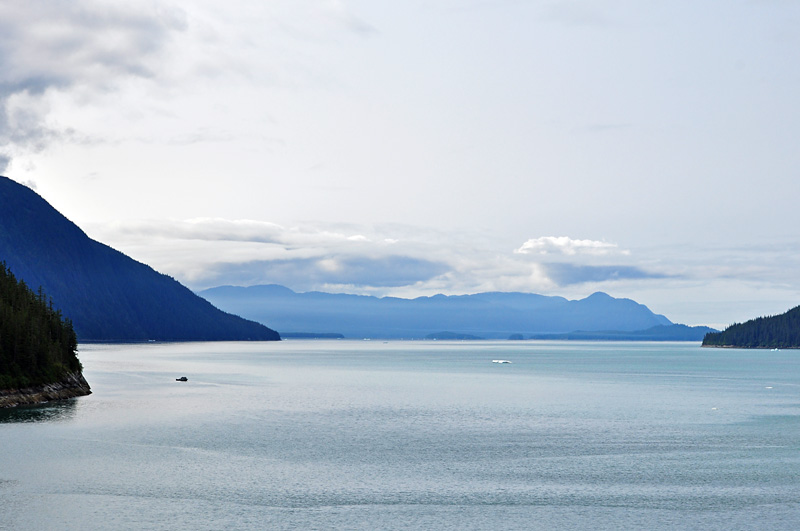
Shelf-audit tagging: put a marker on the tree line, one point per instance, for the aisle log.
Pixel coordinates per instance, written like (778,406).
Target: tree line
(37,343)
(779,331)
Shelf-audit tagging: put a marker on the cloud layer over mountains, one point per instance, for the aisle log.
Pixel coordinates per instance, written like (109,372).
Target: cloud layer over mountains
(416,147)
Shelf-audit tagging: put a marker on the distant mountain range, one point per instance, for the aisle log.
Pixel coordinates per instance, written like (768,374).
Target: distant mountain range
(777,331)
(107,295)
(484,315)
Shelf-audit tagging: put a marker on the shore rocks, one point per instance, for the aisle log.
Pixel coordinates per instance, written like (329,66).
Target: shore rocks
(73,385)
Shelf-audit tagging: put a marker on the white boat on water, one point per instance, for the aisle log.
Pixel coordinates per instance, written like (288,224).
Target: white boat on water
(500,361)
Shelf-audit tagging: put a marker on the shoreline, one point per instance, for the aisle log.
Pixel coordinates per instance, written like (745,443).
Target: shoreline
(71,386)
(750,348)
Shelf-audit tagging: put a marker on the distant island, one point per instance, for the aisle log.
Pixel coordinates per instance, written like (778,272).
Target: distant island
(311,335)
(107,295)
(676,332)
(452,336)
(778,331)
(38,360)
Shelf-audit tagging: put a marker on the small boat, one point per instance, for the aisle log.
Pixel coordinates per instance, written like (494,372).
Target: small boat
(500,361)
(182,379)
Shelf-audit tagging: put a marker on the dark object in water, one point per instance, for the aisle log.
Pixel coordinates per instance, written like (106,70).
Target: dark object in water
(182,379)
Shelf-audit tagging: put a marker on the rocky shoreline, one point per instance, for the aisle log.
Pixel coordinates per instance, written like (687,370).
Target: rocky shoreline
(73,385)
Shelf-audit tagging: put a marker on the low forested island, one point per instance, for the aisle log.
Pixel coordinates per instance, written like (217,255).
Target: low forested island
(778,331)
(38,359)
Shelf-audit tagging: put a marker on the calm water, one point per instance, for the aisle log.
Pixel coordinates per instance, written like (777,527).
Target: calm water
(402,435)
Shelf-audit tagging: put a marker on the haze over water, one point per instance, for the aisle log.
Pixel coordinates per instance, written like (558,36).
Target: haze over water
(398,435)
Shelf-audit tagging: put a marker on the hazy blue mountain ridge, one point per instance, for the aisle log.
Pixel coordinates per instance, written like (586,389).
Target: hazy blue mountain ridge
(107,295)
(489,315)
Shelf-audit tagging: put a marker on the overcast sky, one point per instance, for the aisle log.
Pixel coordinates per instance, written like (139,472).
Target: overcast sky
(648,149)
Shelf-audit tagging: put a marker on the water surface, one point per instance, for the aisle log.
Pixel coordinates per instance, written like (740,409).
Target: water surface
(400,435)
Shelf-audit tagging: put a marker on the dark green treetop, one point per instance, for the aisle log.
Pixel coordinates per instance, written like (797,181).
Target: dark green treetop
(37,344)
(778,331)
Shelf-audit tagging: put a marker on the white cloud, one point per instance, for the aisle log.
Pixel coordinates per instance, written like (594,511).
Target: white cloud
(231,230)
(567,246)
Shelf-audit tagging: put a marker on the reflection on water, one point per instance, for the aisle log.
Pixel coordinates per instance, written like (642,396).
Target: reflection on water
(58,411)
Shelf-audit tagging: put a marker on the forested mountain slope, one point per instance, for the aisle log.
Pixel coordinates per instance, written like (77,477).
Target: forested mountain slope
(107,295)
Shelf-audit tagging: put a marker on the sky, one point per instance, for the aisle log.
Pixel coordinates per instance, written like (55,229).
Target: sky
(647,149)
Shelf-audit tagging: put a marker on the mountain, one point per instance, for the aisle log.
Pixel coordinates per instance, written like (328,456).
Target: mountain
(107,295)
(778,331)
(492,315)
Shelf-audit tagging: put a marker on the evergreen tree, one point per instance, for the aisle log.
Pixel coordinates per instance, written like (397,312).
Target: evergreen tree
(37,344)
(779,331)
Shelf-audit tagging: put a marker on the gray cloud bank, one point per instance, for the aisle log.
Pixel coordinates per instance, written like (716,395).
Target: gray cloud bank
(571,274)
(357,272)
(82,45)
(365,259)
(408,261)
